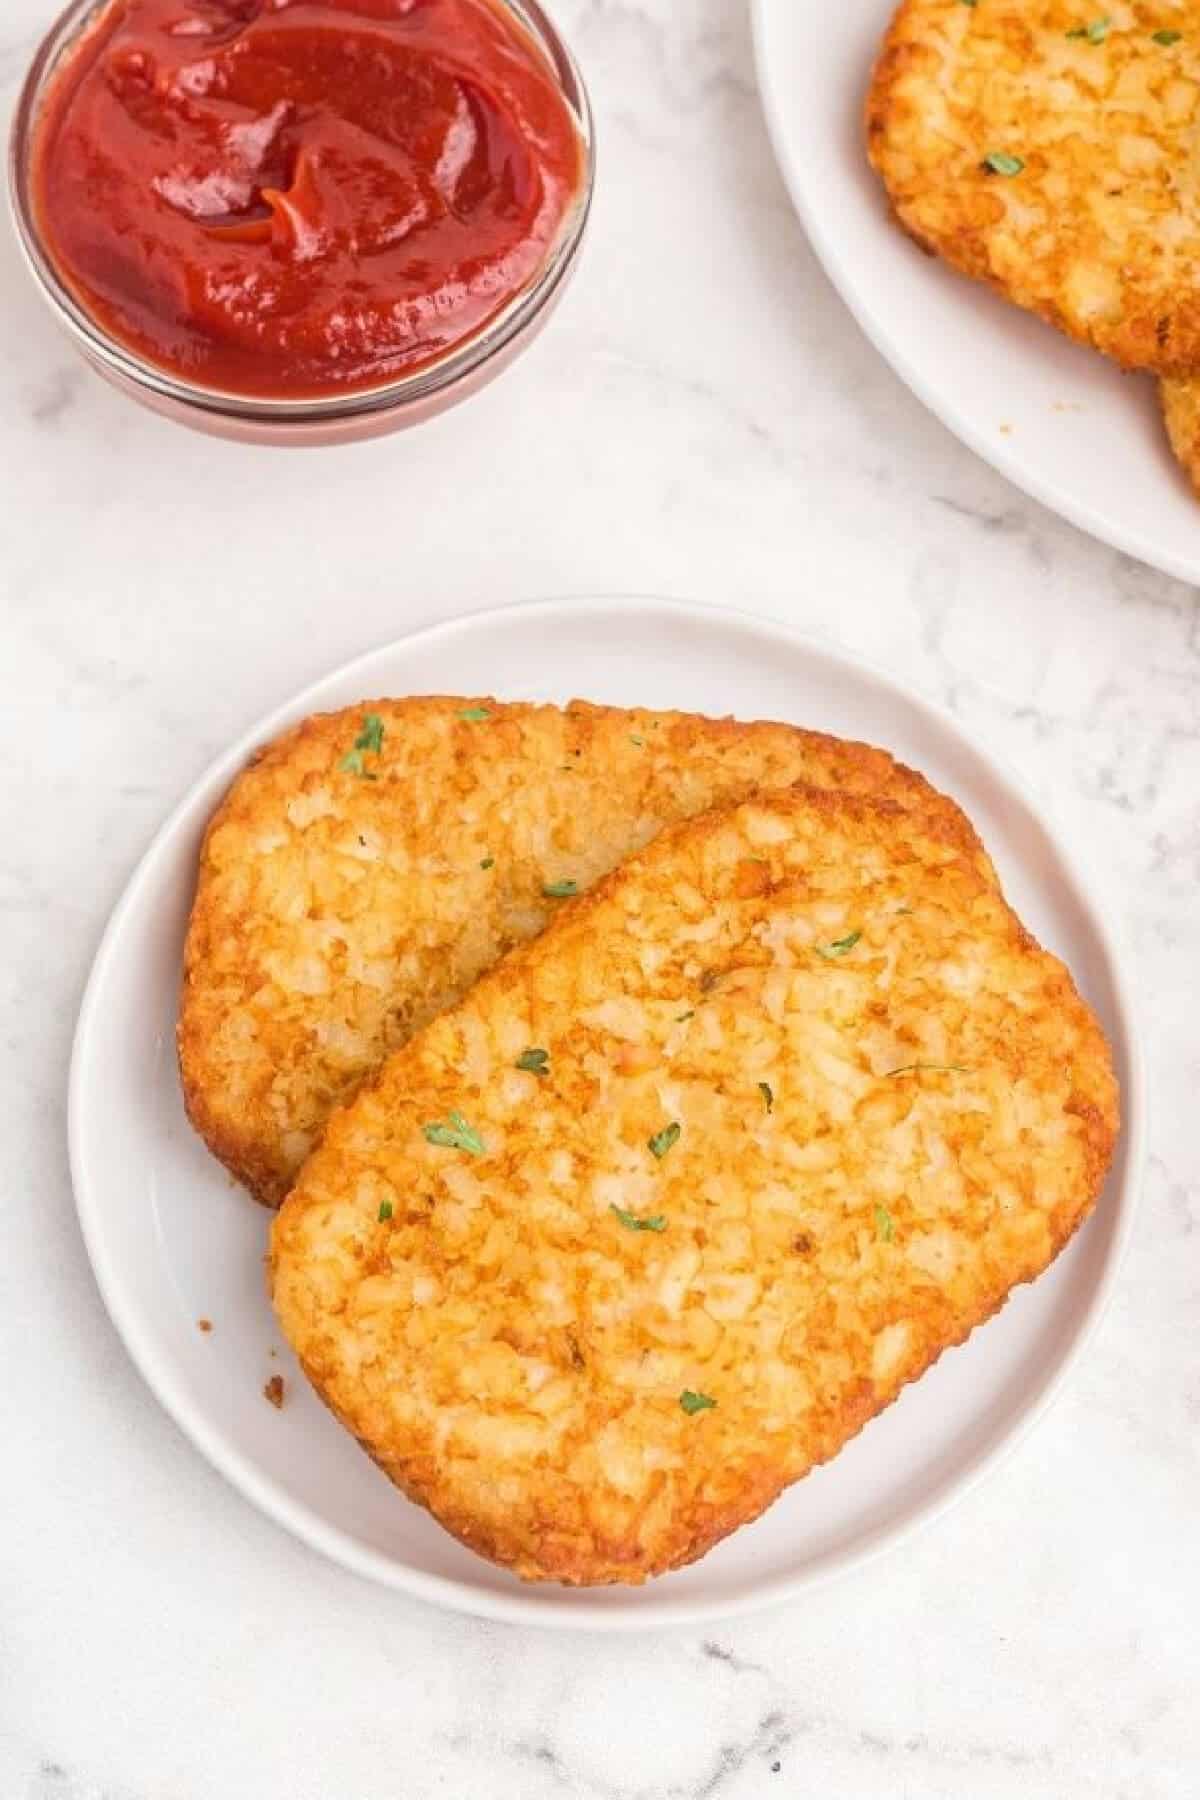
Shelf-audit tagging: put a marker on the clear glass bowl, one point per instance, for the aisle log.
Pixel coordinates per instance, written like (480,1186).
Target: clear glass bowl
(335,418)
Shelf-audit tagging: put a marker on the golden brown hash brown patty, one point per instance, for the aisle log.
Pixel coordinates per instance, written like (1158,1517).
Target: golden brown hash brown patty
(1180,402)
(346,894)
(683,1193)
(1098,228)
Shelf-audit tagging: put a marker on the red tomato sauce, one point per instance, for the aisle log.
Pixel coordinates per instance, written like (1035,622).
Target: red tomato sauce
(292,198)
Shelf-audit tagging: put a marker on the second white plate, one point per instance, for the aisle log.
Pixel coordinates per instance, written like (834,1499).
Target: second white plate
(173,1242)
(1057,419)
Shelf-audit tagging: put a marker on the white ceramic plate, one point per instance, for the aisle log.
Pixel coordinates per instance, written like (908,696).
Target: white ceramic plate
(1057,419)
(172,1241)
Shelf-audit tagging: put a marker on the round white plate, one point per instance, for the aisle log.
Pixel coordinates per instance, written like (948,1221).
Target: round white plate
(172,1241)
(1057,419)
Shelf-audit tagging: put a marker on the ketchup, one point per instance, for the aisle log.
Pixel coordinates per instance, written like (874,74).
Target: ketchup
(293,198)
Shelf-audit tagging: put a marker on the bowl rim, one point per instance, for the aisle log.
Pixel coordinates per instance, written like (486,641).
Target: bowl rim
(580,1611)
(502,330)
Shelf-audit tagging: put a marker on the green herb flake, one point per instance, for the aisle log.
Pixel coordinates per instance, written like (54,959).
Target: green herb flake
(968,2)
(692,1402)
(640,742)
(559,890)
(764,1088)
(631,1222)
(935,1068)
(455,1134)
(883,1224)
(385,1211)
(682,1018)
(1166,37)
(664,1140)
(489,862)
(1001,163)
(474,714)
(369,742)
(1095,33)
(842,947)
(534,1062)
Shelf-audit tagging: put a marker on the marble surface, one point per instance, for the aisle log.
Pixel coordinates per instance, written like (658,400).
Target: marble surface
(703,419)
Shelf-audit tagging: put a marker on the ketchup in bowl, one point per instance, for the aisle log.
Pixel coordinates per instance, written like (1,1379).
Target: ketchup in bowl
(299,198)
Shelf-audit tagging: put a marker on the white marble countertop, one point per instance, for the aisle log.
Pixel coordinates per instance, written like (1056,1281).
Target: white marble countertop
(703,419)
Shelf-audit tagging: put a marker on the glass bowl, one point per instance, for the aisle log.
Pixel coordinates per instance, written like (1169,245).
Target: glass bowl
(334,418)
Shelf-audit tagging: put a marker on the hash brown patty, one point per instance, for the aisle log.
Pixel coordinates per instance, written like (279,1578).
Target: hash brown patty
(1180,402)
(1048,147)
(370,864)
(683,1193)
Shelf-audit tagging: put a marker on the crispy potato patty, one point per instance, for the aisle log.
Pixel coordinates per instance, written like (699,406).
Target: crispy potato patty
(369,865)
(683,1193)
(1049,147)
(1180,401)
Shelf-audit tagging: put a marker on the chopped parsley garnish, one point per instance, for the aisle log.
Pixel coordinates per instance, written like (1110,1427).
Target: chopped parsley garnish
(967,2)
(385,1211)
(692,1402)
(475,713)
(937,1068)
(371,735)
(534,1062)
(640,742)
(559,890)
(764,1088)
(631,1222)
(682,1018)
(489,862)
(663,1140)
(1166,37)
(883,1223)
(1001,163)
(1095,33)
(841,947)
(456,1134)
(369,742)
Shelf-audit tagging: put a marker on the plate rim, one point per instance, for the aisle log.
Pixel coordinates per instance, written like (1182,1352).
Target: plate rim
(872,322)
(645,1608)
